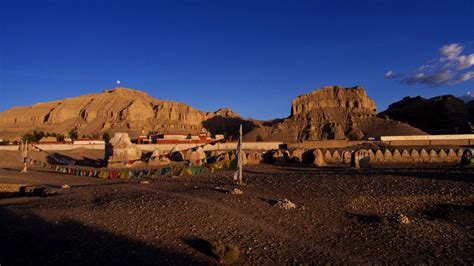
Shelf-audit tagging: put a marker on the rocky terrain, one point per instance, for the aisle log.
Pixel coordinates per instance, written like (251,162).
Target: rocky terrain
(119,109)
(332,112)
(328,113)
(407,215)
(447,114)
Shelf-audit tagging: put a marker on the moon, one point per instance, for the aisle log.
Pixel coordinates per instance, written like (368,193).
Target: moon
(118,81)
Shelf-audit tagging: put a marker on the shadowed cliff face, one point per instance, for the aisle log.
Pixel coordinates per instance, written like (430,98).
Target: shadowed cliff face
(228,126)
(439,115)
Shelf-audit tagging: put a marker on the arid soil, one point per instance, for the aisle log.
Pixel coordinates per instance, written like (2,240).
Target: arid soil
(341,216)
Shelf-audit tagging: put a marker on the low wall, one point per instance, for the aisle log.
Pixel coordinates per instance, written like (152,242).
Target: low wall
(429,137)
(9,147)
(56,147)
(325,144)
(435,142)
(424,140)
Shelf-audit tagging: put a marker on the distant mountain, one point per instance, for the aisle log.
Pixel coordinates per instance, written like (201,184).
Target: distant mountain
(116,110)
(439,115)
(328,113)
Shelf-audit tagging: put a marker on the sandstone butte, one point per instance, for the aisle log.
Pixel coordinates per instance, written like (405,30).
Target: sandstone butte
(331,112)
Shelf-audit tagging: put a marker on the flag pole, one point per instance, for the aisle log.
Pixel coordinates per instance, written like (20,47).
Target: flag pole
(238,153)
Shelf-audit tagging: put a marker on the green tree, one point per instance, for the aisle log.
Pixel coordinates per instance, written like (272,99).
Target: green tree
(27,137)
(106,137)
(352,136)
(73,134)
(37,136)
(259,138)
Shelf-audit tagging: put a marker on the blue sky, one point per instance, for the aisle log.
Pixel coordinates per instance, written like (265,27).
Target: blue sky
(251,56)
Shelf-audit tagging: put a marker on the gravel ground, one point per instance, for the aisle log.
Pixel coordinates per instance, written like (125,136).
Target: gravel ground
(379,215)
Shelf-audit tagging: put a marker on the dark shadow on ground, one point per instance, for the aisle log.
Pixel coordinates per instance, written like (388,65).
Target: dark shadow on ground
(29,240)
(371,218)
(459,214)
(61,159)
(200,245)
(272,202)
(7,195)
(422,171)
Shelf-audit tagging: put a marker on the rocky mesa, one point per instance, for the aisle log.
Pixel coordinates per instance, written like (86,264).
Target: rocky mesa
(332,112)
(119,109)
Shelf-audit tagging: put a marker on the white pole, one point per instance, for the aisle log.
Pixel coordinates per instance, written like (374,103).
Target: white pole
(238,173)
(24,153)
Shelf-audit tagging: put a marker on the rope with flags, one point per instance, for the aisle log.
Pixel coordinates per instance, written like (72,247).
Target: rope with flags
(187,168)
(105,173)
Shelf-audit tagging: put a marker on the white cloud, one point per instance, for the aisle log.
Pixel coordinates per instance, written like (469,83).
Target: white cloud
(431,79)
(450,68)
(466,76)
(451,51)
(466,61)
(389,74)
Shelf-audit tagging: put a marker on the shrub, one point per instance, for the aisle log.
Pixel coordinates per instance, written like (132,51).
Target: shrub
(73,134)
(33,137)
(106,137)
(352,136)
(259,138)
(225,254)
